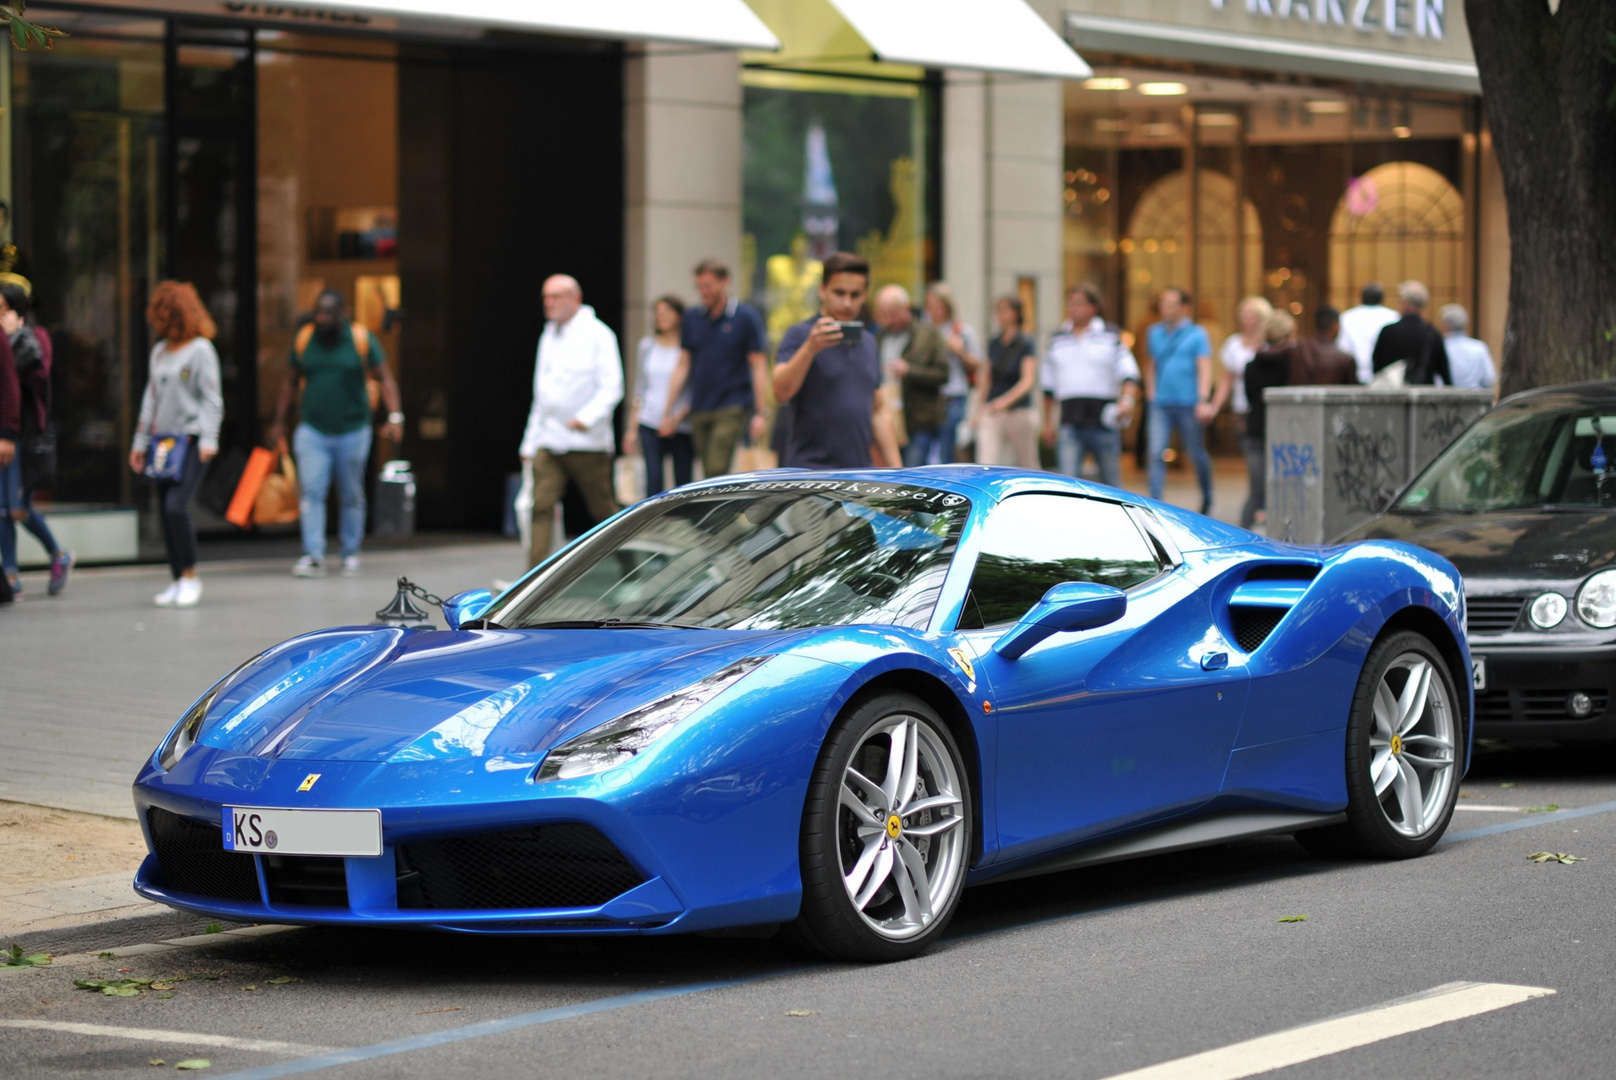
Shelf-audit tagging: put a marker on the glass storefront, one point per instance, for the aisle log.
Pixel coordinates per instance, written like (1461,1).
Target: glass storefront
(838,155)
(1231,187)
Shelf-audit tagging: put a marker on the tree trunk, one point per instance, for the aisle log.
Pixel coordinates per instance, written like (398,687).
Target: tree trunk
(1546,80)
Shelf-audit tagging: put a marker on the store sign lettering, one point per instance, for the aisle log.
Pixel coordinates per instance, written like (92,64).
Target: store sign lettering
(292,11)
(1395,18)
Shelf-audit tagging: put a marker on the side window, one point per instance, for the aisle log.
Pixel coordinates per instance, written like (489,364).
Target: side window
(1033,542)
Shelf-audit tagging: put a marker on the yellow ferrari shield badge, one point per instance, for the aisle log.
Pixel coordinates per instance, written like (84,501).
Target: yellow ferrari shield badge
(308,781)
(964,662)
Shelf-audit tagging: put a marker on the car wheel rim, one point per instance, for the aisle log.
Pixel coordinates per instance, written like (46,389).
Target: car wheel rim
(1411,745)
(900,834)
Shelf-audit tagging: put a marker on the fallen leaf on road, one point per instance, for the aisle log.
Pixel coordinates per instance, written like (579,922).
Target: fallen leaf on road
(1555,857)
(156,1061)
(282,980)
(114,987)
(1294,918)
(1507,783)
(162,986)
(194,1063)
(1543,809)
(799,1012)
(15,960)
(250,986)
(106,956)
(212,928)
(1471,795)
(164,997)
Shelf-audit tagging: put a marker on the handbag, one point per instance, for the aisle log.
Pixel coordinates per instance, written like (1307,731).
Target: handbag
(165,457)
(278,495)
(259,462)
(39,458)
(219,483)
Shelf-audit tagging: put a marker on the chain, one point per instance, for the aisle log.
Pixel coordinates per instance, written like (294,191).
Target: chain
(407,586)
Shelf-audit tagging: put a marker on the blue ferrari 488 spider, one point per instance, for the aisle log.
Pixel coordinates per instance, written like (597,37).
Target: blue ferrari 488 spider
(827,700)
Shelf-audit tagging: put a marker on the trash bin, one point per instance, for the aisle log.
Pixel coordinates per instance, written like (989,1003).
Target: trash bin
(1337,454)
(393,508)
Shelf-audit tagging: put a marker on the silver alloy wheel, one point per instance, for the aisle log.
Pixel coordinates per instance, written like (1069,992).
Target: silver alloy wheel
(899,841)
(1412,744)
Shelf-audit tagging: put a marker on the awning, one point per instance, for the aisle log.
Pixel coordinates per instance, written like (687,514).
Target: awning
(984,35)
(726,24)
(1136,37)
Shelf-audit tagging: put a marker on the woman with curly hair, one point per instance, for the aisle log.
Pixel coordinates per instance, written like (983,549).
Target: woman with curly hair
(182,408)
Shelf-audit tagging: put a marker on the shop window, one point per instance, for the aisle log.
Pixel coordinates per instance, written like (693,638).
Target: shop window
(1158,248)
(1398,221)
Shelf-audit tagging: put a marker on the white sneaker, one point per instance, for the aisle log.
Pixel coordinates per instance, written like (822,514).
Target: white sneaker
(350,566)
(166,597)
(189,592)
(308,566)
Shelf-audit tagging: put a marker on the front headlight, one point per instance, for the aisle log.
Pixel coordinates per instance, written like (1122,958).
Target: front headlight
(1596,600)
(185,733)
(617,741)
(1547,610)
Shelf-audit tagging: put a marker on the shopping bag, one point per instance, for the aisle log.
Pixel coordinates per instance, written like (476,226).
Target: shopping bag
(277,497)
(240,512)
(219,483)
(754,458)
(628,479)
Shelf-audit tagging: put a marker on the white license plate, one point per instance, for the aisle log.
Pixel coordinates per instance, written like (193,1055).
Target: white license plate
(302,832)
(1478,672)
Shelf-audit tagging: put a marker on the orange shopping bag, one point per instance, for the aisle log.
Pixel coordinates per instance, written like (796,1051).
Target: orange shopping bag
(278,495)
(252,478)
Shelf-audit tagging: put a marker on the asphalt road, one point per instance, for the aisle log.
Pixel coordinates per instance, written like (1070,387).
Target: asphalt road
(1087,974)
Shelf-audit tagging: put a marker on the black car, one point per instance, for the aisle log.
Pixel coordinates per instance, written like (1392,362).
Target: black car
(1523,502)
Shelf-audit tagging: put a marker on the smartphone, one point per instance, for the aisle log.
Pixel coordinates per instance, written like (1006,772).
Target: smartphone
(852,332)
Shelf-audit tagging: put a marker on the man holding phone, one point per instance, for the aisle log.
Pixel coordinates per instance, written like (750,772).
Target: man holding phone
(829,377)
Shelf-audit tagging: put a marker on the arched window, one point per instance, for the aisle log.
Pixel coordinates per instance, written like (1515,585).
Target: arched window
(1157,247)
(1398,221)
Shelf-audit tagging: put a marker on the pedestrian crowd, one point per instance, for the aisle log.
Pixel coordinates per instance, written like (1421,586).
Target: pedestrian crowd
(867,380)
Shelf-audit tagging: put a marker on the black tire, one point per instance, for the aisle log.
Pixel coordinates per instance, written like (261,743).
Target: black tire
(1369,832)
(829,922)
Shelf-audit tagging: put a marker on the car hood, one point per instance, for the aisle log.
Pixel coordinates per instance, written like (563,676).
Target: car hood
(388,695)
(1526,545)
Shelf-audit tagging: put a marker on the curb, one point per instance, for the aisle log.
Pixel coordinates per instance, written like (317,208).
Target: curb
(164,924)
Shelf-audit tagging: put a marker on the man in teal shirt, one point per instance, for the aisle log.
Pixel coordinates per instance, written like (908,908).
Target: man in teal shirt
(1178,386)
(333,358)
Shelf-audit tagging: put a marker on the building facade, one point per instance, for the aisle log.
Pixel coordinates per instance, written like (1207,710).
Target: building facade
(435,170)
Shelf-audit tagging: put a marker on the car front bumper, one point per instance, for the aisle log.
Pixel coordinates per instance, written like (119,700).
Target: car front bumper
(1529,687)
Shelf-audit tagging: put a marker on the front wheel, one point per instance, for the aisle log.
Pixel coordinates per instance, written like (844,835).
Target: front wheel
(1404,743)
(886,833)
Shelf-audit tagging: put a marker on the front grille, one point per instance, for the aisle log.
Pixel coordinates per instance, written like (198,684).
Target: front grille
(191,859)
(1530,705)
(1252,625)
(306,880)
(1492,614)
(548,866)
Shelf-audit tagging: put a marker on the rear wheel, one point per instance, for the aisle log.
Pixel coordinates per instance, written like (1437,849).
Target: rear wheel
(886,833)
(1404,742)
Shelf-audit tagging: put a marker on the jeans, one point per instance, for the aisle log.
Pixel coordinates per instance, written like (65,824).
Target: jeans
(179,532)
(10,499)
(1164,420)
(1097,439)
(921,445)
(678,446)
(318,456)
(956,407)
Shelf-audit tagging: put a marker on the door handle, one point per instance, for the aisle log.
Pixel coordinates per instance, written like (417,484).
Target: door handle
(1214,661)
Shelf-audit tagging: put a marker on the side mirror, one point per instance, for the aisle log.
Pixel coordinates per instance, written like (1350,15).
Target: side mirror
(1071,605)
(463,607)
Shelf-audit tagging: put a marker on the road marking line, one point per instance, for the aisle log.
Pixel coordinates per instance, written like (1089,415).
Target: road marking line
(1529,822)
(1440,1005)
(333,1058)
(1491,809)
(177,1038)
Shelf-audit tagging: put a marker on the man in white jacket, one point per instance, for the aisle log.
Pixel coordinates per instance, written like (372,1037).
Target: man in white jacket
(577,382)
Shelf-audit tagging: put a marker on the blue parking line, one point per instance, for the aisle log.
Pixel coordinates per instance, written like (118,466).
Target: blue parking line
(645,997)
(490,1027)
(1529,822)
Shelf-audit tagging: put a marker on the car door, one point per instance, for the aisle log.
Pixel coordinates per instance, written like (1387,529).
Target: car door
(1103,729)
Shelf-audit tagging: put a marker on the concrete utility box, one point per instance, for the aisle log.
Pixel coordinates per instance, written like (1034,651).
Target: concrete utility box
(1337,454)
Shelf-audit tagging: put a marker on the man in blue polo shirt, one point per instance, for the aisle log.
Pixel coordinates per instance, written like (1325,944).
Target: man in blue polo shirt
(1178,386)
(725,360)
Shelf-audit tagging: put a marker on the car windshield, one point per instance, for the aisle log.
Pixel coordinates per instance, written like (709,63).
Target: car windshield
(1523,456)
(762,555)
